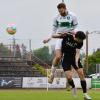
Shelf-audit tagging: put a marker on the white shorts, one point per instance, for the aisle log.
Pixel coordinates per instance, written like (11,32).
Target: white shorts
(58,44)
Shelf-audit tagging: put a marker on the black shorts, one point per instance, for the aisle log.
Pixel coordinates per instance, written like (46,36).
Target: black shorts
(69,61)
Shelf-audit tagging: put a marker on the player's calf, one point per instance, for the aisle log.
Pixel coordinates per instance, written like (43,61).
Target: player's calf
(74,91)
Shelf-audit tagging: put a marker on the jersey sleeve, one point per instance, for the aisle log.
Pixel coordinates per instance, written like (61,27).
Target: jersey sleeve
(79,46)
(75,21)
(54,27)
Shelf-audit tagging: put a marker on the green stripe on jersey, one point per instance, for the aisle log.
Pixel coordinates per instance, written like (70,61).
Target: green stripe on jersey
(65,24)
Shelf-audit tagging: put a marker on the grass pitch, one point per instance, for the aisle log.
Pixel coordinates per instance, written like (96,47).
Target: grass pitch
(29,94)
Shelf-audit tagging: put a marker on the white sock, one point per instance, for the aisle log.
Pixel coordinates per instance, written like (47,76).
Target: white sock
(53,69)
(85,94)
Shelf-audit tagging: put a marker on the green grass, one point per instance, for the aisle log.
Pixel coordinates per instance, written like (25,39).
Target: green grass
(44,95)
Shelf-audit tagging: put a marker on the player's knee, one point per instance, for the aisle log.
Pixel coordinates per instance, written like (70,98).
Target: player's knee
(58,57)
(69,77)
(80,72)
(81,75)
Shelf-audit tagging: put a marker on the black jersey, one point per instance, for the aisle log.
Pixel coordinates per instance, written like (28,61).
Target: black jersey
(69,45)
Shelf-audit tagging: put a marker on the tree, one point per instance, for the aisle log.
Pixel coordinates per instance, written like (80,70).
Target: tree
(93,60)
(43,54)
(5,51)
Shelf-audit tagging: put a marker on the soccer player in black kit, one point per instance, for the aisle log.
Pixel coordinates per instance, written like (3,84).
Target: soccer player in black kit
(71,46)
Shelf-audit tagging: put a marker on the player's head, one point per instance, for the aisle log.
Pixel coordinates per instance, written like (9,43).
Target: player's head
(80,36)
(62,9)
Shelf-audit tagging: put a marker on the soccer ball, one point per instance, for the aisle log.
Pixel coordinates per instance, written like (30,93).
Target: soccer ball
(11,29)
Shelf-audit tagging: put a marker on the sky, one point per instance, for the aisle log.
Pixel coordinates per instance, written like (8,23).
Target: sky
(34,18)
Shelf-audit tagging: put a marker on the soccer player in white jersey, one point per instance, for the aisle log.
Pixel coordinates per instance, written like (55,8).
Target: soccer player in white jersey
(64,23)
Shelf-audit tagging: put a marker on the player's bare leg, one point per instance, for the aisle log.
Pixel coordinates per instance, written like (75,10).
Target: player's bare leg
(83,83)
(55,64)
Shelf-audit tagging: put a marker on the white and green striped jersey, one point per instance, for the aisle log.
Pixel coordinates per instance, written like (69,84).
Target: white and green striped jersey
(64,24)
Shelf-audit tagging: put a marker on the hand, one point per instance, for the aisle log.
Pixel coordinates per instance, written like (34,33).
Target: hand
(46,40)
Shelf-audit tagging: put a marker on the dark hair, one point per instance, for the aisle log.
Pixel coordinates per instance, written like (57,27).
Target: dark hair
(80,34)
(61,5)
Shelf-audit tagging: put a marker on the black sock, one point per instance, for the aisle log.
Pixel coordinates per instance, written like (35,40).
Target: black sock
(84,87)
(71,82)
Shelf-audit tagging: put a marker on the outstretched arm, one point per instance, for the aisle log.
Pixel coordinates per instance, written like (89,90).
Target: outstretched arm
(59,35)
